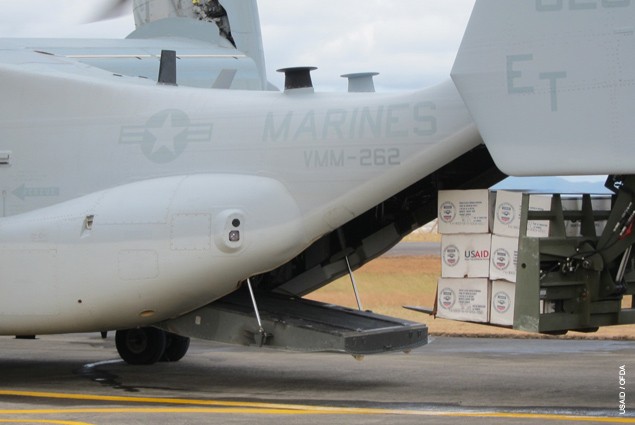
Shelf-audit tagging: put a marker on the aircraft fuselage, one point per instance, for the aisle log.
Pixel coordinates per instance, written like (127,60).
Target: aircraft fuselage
(169,197)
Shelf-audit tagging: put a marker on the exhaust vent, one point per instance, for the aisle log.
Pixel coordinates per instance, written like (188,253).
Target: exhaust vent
(298,77)
(361,82)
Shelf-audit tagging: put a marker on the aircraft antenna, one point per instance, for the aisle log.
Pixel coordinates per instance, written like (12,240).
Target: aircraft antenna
(167,68)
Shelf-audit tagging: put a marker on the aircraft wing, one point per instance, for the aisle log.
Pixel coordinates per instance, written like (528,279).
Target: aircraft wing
(200,64)
(21,62)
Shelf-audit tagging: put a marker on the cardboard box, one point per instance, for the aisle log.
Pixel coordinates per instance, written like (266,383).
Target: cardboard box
(574,228)
(465,211)
(504,258)
(502,307)
(464,299)
(507,214)
(539,228)
(465,255)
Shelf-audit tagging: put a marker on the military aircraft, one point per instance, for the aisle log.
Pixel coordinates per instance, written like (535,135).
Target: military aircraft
(158,187)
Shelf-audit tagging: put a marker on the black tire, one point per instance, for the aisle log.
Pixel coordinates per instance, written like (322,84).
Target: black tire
(141,346)
(176,347)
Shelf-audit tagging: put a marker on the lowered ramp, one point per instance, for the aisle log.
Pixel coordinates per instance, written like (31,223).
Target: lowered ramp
(296,324)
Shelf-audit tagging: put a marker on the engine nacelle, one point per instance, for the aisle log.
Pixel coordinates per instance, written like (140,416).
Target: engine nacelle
(143,252)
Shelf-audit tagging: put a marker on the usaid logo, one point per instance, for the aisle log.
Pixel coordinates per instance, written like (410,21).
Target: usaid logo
(451,255)
(505,213)
(474,254)
(447,298)
(501,259)
(447,212)
(502,302)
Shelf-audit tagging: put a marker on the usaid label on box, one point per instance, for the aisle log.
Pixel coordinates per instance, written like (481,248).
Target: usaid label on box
(502,308)
(504,258)
(464,211)
(463,299)
(465,255)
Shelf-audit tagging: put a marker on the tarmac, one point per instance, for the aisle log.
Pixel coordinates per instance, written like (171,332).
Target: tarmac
(79,379)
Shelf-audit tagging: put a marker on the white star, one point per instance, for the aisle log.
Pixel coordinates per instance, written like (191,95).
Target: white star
(165,135)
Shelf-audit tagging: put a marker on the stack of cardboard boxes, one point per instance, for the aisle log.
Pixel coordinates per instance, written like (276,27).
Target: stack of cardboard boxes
(479,252)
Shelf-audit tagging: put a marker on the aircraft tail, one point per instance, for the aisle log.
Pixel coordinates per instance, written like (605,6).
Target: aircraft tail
(551,84)
(238,22)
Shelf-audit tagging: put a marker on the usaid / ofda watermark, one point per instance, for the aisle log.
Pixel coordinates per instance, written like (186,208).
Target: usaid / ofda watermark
(622,393)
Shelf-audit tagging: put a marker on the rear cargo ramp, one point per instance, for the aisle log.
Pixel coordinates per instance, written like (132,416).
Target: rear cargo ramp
(299,325)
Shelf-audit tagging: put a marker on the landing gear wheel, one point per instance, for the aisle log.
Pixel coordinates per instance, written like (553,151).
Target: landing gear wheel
(176,347)
(141,346)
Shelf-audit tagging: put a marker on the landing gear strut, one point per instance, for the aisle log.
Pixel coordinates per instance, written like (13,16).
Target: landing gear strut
(146,346)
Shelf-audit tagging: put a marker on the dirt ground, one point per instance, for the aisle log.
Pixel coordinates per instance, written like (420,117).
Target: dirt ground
(388,283)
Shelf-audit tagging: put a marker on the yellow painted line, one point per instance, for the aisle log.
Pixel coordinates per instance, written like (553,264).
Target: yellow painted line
(159,400)
(271,408)
(36,421)
(327,411)
(110,410)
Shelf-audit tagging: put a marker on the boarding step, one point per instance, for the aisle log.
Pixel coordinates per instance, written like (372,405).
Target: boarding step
(296,324)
